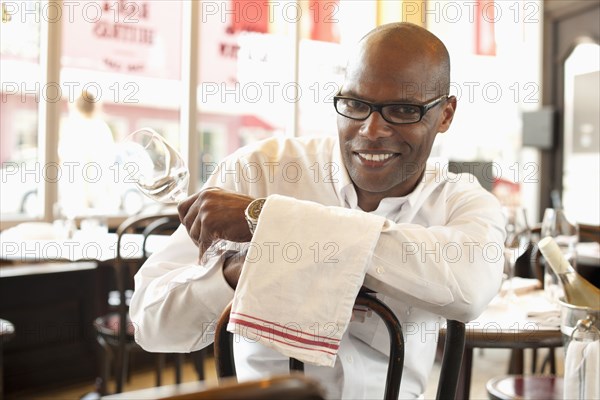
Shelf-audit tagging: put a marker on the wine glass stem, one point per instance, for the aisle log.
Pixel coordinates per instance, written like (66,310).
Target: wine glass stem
(177,197)
(511,274)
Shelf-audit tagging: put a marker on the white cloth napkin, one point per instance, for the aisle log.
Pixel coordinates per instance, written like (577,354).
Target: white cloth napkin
(582,370)
(302,273)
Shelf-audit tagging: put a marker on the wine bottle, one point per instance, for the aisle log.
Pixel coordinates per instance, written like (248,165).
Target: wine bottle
(578,291)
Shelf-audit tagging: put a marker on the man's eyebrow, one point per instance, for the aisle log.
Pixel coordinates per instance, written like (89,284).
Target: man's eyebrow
(350,93)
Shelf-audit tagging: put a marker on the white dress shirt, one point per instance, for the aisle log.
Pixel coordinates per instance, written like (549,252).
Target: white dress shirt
(439,255)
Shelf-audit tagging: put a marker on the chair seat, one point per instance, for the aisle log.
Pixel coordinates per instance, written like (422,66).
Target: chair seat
(534,387)
(108,325)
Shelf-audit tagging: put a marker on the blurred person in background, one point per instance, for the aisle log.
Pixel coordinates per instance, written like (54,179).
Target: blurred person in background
(87,152)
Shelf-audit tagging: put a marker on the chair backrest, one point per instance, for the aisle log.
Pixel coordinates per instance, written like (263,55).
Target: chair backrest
(147,225)
(165,225)
(454,347)
(451,361)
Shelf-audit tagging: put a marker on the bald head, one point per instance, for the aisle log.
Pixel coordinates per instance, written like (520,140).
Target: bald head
(400,47)
(394,68)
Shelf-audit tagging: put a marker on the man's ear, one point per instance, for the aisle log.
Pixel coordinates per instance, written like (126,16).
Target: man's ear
(447,114)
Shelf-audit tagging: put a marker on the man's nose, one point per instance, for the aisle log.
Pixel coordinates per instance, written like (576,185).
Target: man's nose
(375,127)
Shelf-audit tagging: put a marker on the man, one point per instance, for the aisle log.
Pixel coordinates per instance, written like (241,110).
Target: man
(437,254)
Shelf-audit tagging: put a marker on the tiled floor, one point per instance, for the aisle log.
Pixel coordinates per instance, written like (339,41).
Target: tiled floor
(486,365)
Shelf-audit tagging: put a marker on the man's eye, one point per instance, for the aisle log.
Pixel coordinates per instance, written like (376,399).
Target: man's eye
(402,110)
(355,105)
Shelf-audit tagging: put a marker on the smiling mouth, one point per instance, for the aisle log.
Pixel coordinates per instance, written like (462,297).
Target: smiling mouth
(375,159)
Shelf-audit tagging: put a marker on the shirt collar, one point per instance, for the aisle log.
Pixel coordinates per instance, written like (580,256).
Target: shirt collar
(389,207)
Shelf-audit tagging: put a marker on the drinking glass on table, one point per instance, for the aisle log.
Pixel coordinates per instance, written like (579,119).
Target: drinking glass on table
(156,168)
(518,239)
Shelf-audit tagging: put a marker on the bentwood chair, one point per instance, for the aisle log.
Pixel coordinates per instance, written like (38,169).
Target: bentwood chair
(117,342)
(451,361)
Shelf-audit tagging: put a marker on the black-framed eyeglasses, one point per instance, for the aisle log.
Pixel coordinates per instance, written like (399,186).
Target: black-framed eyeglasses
(394,113)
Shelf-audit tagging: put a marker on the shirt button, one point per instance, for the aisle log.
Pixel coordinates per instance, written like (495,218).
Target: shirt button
(380,270)
(349,359)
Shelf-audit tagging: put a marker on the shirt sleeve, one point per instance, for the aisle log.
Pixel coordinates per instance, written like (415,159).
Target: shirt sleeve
(177,301)
(453,270)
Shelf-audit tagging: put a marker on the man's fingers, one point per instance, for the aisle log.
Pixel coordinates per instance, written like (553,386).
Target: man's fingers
(212,214)
(184,206)
(195,229)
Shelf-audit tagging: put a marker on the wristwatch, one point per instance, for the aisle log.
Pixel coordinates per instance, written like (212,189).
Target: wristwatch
(253,212)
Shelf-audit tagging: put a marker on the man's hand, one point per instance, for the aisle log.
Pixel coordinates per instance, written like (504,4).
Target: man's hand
(214,214)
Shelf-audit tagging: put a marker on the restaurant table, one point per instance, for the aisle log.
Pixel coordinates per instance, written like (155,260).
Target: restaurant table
(52,306)
(530,321)
(52,290)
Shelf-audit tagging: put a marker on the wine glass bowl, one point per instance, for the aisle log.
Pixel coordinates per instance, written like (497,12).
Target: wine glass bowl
(155,167)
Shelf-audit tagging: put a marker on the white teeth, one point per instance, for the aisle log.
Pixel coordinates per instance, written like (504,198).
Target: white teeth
(375,157)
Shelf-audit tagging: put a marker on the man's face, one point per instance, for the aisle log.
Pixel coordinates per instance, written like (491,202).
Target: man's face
(385,159)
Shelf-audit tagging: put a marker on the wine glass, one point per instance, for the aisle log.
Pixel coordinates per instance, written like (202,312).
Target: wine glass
(518,239)
(156,167)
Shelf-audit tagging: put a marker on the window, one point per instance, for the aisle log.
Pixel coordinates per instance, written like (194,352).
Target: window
(126,58)
(327,31)
(22,91)
(259,69)
(582,138)
(246,88)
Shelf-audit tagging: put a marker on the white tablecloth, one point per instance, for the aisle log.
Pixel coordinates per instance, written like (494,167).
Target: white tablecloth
(97,247)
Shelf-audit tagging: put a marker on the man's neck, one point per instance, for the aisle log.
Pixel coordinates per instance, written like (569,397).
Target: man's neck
(369,201)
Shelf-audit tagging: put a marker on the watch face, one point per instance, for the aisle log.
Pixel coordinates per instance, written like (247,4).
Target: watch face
(255,208)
